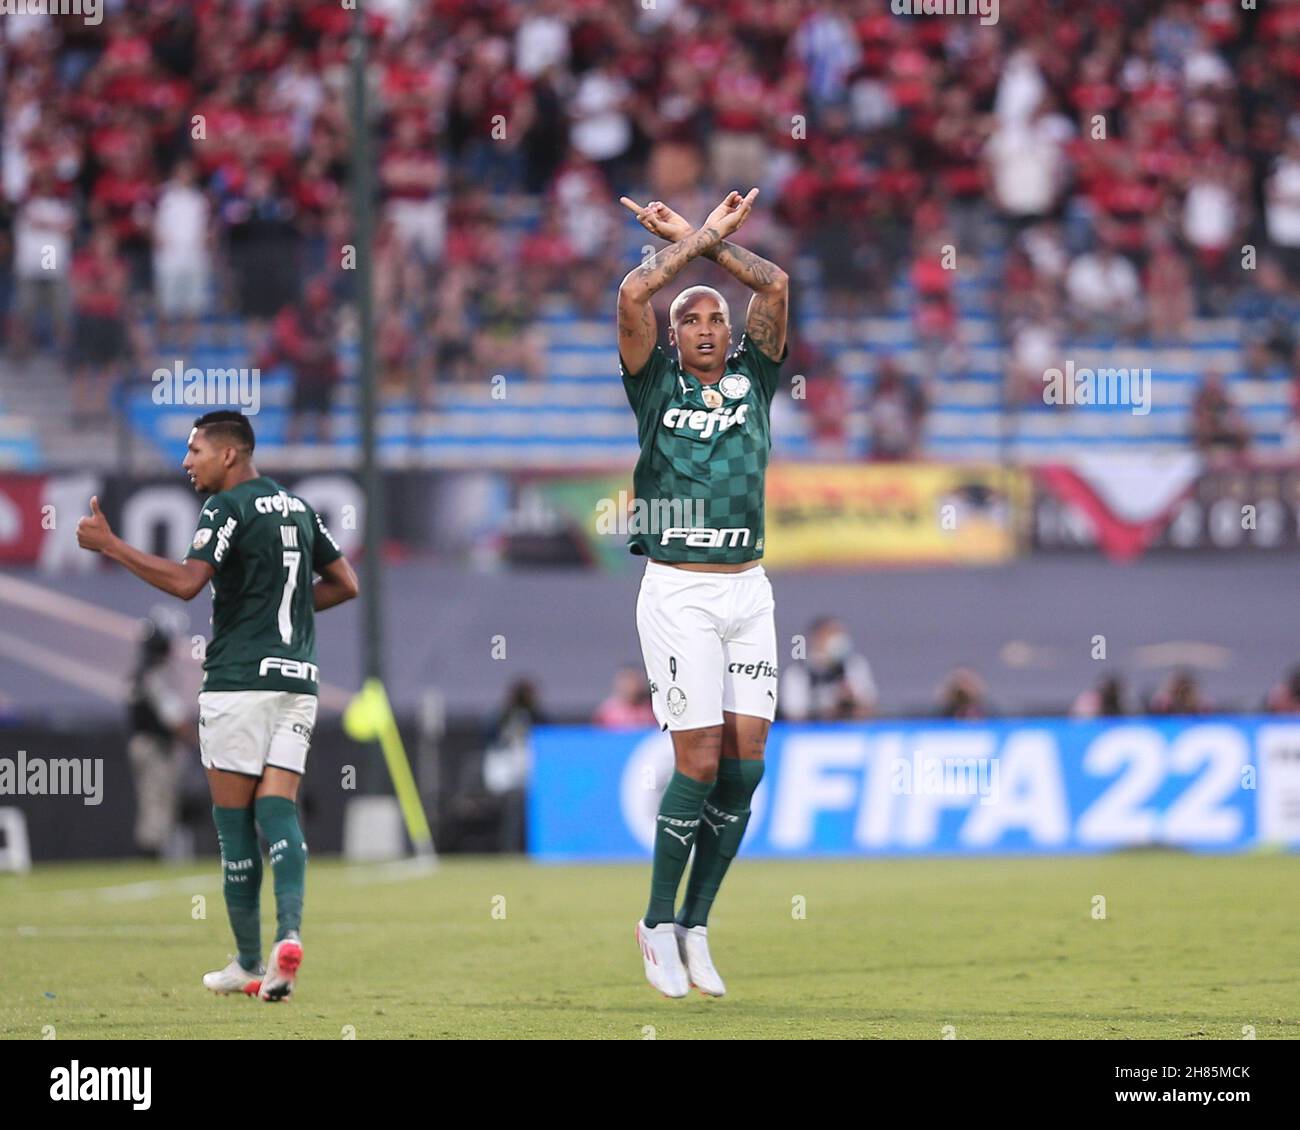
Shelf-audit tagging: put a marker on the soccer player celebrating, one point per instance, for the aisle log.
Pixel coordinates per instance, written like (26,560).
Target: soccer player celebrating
(705,611)
(259,546)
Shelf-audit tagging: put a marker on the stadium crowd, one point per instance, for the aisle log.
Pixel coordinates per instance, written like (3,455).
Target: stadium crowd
(190,157)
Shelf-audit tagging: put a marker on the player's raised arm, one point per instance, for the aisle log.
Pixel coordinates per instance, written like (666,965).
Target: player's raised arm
(636,320)
(769,309)
(178,578)
(768,313)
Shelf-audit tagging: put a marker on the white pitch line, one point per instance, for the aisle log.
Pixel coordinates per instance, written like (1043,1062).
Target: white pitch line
(177,930)
(392,871)
(145,890)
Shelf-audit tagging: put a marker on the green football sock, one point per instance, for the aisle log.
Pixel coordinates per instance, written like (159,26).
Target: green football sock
(241,871)
(277,816)
(675,827)
(725,817)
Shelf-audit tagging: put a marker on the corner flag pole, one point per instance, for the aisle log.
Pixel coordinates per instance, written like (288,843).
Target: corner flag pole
(362,206)
(370,717)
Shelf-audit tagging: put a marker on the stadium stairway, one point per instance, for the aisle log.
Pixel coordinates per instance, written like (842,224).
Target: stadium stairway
(578,417)
(35,416)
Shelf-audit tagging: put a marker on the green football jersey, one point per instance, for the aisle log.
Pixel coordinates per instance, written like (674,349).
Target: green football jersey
(264,545)
(700,479)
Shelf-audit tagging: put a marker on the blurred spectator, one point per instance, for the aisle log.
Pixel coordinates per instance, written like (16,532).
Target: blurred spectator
(825,399)
(1169,291)
(600,124)
(100,345)
(395,355)
(896,408)
(508,760)
(43,228)
(1179,694)
(1104,293)
(737,151)
(305,337)
(1105,700)
(1270,310)
(508,340)
(962,696)
(1284,697)
(1027,165)
(1217,424)
(453,357)
(1258,364)
(628,705)
(833,683)
(542,38)
(1211,223)
(264,246)
(411,178)
(182,267)
(1282,207)
(159,721)
(1037,345)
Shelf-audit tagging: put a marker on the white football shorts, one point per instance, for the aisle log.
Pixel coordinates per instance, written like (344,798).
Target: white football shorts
(709,644)
(246,731)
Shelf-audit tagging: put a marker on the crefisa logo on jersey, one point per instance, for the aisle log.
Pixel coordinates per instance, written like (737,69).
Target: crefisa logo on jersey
(282,502)
(223,539)
(706,423)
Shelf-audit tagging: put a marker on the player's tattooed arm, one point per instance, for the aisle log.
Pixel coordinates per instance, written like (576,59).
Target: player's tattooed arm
(636,319)
(766,320)
(636,323)
(753,270)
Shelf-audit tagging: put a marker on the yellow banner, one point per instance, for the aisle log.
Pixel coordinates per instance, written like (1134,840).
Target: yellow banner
(902,513)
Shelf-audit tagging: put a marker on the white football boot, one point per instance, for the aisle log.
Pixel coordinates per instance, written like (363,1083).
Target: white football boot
(693,941)
(663,963)
(282,969)
(233,979)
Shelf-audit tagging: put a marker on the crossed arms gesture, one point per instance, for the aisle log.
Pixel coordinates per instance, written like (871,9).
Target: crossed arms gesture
(765,322)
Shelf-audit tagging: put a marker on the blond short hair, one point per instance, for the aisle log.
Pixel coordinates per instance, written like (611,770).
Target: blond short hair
(692,292)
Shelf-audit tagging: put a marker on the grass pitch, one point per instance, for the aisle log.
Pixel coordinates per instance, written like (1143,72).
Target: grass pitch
(1190,947)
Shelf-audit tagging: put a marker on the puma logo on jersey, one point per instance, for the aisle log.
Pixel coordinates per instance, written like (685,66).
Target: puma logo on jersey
(703,538)
(212,512)
(698,420)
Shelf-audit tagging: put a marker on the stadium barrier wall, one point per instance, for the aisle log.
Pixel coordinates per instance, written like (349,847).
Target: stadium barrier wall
(64,825)
(884,513)
(1014,786)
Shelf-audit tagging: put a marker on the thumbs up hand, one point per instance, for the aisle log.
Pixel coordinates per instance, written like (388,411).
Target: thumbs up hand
(94,533)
